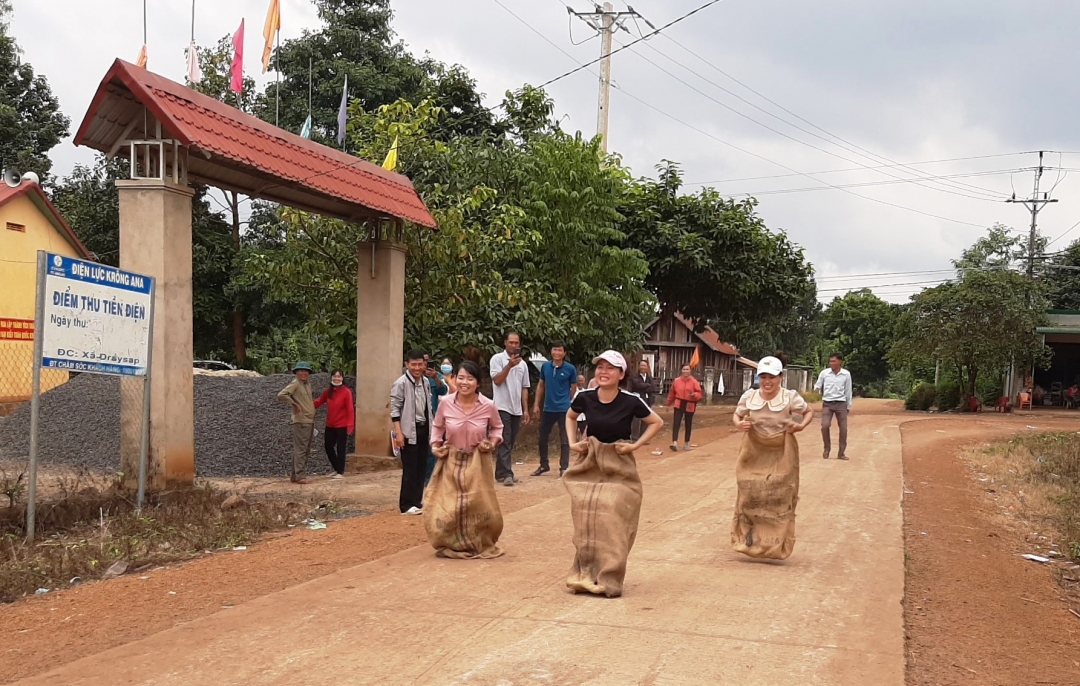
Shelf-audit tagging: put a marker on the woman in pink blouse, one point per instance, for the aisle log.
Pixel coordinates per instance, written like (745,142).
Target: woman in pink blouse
(466,420)
(461,512)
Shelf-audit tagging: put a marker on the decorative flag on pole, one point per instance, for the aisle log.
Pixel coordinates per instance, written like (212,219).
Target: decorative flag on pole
(140,61)
(390,163)
(695,360)
(271,27)
(341,112)
(305,130)
(194,74)
(236,80)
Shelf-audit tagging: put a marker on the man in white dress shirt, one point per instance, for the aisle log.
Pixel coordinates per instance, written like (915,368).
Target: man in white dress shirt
(834,385)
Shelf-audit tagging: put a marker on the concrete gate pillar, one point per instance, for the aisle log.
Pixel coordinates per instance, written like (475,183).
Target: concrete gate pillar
(380,339)
(710,383)
(155,239)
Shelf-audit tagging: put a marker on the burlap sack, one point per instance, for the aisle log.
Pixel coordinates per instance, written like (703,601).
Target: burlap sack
(461,513)
(605,501)
(768,476)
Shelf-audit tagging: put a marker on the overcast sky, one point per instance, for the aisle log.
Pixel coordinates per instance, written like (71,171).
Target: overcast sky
(868,84)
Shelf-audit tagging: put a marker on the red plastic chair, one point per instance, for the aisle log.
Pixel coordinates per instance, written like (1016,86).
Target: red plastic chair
(1025,401)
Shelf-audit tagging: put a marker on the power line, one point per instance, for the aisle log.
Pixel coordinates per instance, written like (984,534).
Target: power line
(788,111)
(967,194)
(790,169)
(863,184)
(588,64)
(851,169)
(1067,232)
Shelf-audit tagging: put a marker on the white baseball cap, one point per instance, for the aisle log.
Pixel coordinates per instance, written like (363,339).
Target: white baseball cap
(612,357)
(770,365)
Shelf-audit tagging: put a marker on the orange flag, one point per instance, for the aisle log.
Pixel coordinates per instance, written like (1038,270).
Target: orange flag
(140,61)
(695,360)
(271,27)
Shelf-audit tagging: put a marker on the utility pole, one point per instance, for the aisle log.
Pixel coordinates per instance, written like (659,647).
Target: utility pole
(605,21)
(1034,205)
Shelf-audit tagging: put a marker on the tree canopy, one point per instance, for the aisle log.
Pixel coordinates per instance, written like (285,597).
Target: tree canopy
(980,323)
(31,123)
(861,327)
(713,259)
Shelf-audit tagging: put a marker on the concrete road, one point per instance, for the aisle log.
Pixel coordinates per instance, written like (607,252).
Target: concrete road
(694,612)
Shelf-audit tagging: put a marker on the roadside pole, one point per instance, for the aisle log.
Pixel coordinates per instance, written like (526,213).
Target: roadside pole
(144,447)
(35,399)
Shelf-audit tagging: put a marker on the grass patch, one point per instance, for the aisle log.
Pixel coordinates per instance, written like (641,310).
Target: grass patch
(89,523)
(1041,474)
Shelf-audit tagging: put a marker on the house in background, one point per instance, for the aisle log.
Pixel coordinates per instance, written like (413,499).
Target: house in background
(670,342)
(28,223)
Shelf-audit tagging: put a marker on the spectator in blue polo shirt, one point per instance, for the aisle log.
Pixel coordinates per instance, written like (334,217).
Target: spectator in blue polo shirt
(558,382)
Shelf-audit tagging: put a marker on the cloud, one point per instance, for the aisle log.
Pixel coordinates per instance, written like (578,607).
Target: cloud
(916,81)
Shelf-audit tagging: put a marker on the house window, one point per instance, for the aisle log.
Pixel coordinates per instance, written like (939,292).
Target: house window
(12,226)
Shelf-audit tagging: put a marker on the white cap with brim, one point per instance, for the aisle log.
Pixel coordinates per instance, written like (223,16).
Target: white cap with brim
(612,357)
(770,365)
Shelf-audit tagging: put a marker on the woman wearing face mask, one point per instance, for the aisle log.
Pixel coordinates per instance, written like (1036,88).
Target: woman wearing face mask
(603,482)
(767,471)
(446,368)
(461,513)
(340,418)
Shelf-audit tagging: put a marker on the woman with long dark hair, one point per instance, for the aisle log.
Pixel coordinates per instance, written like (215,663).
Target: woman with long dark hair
(461,512)
(340,419)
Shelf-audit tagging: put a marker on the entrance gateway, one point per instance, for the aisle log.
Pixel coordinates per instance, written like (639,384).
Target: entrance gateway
(173,136)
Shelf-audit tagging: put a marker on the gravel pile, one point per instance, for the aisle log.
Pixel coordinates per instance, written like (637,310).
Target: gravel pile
(241,429)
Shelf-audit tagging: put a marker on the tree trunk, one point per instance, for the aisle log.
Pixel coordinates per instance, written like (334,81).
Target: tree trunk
(239,342)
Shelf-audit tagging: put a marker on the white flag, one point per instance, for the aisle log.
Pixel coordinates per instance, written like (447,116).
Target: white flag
(194,74)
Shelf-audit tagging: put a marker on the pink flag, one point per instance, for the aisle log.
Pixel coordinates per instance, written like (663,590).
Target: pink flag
(236,83)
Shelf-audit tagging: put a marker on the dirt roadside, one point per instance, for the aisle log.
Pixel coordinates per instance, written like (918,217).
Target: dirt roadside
(44,632)
(974,611)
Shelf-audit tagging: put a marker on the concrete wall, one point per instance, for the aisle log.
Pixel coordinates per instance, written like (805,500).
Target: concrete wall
(18,276)
(380,339)
(155,239)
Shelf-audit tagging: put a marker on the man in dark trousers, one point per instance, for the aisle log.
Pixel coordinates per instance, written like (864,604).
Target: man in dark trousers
(410,410)
(558,384)
(641,385)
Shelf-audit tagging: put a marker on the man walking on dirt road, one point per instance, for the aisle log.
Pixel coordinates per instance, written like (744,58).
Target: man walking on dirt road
(410,411)
(298,395)
(834,385)
(557,387)
(510,391)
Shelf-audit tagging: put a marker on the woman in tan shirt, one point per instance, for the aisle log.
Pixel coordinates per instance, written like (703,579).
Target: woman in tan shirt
(767,472)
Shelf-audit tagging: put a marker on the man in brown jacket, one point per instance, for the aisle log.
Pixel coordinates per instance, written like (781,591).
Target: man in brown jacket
(298,395)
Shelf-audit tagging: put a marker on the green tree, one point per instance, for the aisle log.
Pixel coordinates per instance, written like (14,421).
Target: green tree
(214,63)
(1062,278)
(356,39)
(861,327)
(527,239)
(713,259)
(979,324)
(89,201)
(31,123)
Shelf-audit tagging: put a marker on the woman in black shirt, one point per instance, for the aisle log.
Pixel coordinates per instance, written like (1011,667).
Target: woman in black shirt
(611,410)
(603,482)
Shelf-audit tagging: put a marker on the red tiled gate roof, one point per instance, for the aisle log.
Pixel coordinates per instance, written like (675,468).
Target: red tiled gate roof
(236,151)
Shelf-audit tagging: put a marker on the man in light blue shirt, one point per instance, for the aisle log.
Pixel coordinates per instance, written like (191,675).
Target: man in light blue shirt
(834,385)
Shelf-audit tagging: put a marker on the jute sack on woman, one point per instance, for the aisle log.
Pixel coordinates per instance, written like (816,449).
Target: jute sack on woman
(461,513)
(768,476)
(605,501)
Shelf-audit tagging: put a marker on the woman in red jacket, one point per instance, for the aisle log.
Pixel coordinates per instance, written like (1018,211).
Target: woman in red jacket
(684,397)
(340,419)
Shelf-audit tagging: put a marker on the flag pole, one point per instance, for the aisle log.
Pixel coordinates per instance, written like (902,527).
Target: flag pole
(277,85)
(192,21)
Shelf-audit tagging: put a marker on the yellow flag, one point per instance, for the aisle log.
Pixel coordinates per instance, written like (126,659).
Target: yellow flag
(390,163)
(271,27)
(140,61)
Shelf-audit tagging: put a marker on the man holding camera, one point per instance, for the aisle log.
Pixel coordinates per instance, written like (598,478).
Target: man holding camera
(510,391)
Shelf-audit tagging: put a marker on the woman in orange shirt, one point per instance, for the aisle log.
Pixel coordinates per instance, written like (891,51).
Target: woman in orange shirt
(685,394)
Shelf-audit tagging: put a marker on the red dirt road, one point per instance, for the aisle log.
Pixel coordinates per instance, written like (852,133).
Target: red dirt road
(693,611)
